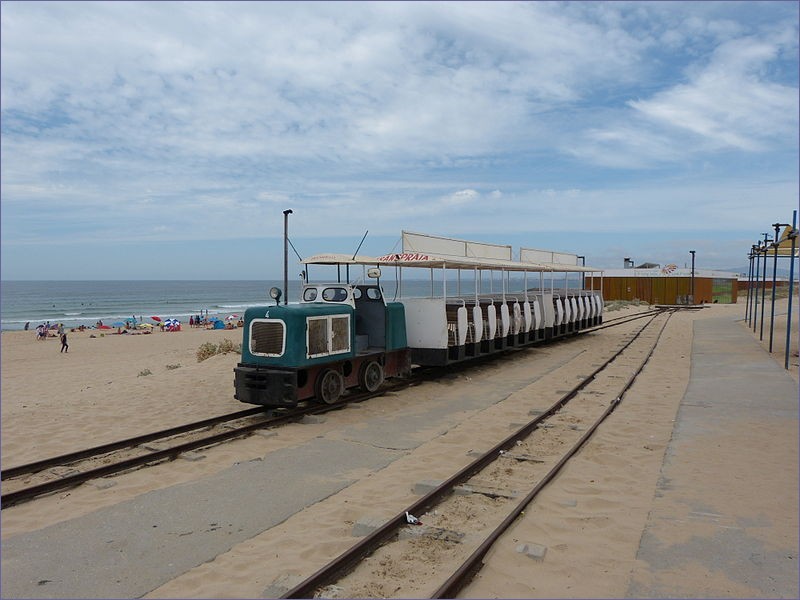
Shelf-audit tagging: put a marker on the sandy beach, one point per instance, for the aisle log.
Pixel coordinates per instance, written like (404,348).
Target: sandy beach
(117,386)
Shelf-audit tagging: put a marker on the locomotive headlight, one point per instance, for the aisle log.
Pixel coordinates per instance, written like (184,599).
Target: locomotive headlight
(275,293)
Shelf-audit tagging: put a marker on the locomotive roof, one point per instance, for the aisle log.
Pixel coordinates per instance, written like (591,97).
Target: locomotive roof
(424,260)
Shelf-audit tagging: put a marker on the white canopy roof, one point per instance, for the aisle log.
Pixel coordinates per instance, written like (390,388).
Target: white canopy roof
(429,261)
(429,251)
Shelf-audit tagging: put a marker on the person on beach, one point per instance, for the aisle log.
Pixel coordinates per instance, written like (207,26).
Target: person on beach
(64,344)
(27,325)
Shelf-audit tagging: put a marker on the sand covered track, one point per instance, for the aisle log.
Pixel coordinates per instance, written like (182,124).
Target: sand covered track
(26,482)
(61,472)
(475,506)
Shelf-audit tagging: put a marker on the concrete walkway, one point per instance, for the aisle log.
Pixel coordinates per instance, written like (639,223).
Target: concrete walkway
(724,521)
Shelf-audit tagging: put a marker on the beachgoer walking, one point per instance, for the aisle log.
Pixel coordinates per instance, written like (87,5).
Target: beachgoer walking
(191,321)
(64,344)
(27,325)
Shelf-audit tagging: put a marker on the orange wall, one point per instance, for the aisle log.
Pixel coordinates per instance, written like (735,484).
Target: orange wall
(658,290)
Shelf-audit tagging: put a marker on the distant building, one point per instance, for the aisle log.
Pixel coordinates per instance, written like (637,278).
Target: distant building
(667,285)
(780,282)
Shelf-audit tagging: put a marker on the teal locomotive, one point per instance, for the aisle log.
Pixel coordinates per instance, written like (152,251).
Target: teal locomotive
(340,336)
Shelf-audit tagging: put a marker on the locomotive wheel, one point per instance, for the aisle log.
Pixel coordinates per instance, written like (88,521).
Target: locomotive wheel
(329,386)
(370,378)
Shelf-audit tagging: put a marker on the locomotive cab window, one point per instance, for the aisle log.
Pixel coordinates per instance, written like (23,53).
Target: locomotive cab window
(310,294)
(334,294)
(267,337)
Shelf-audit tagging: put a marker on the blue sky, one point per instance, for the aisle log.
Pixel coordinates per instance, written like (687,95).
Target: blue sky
(163,140)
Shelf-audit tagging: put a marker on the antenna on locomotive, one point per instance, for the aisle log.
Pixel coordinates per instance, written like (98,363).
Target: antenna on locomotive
(354,254)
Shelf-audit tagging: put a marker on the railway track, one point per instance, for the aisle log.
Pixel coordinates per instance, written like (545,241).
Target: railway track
(467,513)
(62,472)
(26,482)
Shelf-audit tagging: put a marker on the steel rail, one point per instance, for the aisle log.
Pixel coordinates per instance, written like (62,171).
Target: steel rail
(12,498)
(621,321)
(28,493)
(72,457)
(347,561)
(464,574)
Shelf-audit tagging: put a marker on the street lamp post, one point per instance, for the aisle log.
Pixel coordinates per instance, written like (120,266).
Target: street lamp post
(692,253)
(757,282)
(775,245)
(749,288)
(763,285)
(286,214)
(583,264)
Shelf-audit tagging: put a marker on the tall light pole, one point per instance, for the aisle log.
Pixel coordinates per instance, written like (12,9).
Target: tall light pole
(692,253)
(286,214)
(775,245)
(757,284)
(583,264)
(749,287)
(763,284)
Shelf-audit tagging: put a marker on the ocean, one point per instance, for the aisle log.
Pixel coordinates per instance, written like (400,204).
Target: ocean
(76,303)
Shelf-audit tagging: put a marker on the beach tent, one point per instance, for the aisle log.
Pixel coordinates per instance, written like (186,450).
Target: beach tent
(219,324)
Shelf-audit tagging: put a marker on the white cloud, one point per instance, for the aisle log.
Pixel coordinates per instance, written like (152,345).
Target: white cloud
(461,197)
(376,112)
(729,103)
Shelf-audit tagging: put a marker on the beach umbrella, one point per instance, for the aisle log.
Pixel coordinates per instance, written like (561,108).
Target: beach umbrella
(144,326)
(118,324)
(156,319)
(232,317)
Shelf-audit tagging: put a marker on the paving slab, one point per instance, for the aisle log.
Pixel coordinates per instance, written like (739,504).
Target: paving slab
(724,520)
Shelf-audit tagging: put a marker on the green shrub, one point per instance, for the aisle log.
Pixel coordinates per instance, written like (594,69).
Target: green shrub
(208,349)
(226,346)
(171,367)
(205,351)
(144,373)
